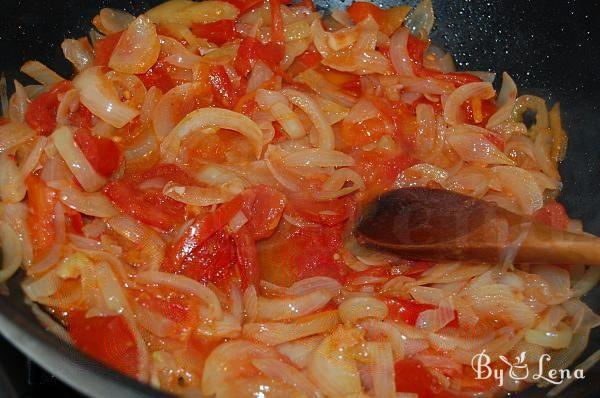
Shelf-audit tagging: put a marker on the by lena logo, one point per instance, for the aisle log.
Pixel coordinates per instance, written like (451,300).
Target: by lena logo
(519,369)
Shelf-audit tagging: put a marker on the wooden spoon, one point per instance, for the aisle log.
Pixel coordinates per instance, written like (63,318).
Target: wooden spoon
(440,225)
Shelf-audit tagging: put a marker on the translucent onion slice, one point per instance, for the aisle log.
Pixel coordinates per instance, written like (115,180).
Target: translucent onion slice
(197,196)
(68,103)
(361,62)
(207,118)
(421,20)
(299,351)
(12,252)
(186,12)
(17,105)
(12,183)
(336,185)
(81,168)
(99,95)
(520,184)
(318,158)
(382,369)
(399,53)
(356,308)
(14,134)
(77,53)
(137,49)
(91,204)
(110,20)
(41,73)
(184,285)
(278,105)
(452,108)
(334,112)
(260,74)
(310,106)
(275,333)
(289,307)
(505,102)
(551,339)
(474,147)
(288,374)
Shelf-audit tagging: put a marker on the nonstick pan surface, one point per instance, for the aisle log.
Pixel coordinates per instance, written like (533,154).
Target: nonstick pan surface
(550,47)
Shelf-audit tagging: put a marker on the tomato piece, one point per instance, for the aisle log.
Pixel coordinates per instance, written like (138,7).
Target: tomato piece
(247,257)
(41,200)
(328,213)
(244,5)
(408,311)
(380,170)
(158,76)
(365,132)
(81,118)
(103,153)
(553,214)
(496,140)
(108,339)
(218,32)
(308,59)
(104,48)
(360,10)
(210,261)
(202,229)
(416,49)
(263,206)
(417,268)
(276,21)
(252,50)
(40,114)
(221,86)
(75,220)
(412,377)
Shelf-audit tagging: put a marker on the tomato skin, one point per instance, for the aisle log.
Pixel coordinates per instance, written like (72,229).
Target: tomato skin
(75,220)
(247,257)
(104,48)
(252,50)
(158,76)
(327,213)
(408,311)
(103,153)
(412,377)
(263,206)
(151,206)
(221,86)
(380,171)
(41,200)
(308,59)
(315,252)
(276,21)
(40,114)
(360,10)
(553,214)
(219,32)
(108,339)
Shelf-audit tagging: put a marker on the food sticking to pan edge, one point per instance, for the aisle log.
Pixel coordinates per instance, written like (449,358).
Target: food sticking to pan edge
(183,207)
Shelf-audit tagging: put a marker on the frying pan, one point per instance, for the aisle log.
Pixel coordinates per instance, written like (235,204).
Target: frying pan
(550,47)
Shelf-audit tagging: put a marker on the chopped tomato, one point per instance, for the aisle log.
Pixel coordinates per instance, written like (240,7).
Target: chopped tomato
(496,140)
(218,32)
(221,86)
(210,261)
(365,132)
(104,48)
(276,21)
(408,311)
(107,339)
(263,206)
(41,112)
(81,118)
(360,10)
(168,305)
(150,206)
(247,257)
(252,50)
(75,220)
(41,200)
(553,214)
(329,213)
(103,153)
(380,170)
(412,377)
(200,231)
(158,76)
(308,59)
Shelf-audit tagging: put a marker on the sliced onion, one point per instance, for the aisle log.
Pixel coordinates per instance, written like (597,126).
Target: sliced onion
(360,62)
(472,146)
(399,53)
(382,369)
(91,204)
(211,117)
(186,12)
(505,102)
(324,88)
(357,308)
(318,158)
(320,38)
(420,21)
(13,135)
(275,333)
(290,307)
(288,374)
(520,183)
(277,104)
(12,252)
(250,302)
(390,331)
(154,322)
(174,105)
(260,74)
(421,174)
(336,184)
(17,105)
(81,168)
(137,49)
(12,183)
(184,285)
(197,196)
(41,73)
(315,114)
(334,112)
(299,351)
(361,111)
(112,21)
(452,108)
(101,98)
(68,103)
(55,252)
(435,319)
(309,285)
(77,53)
(551,339)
